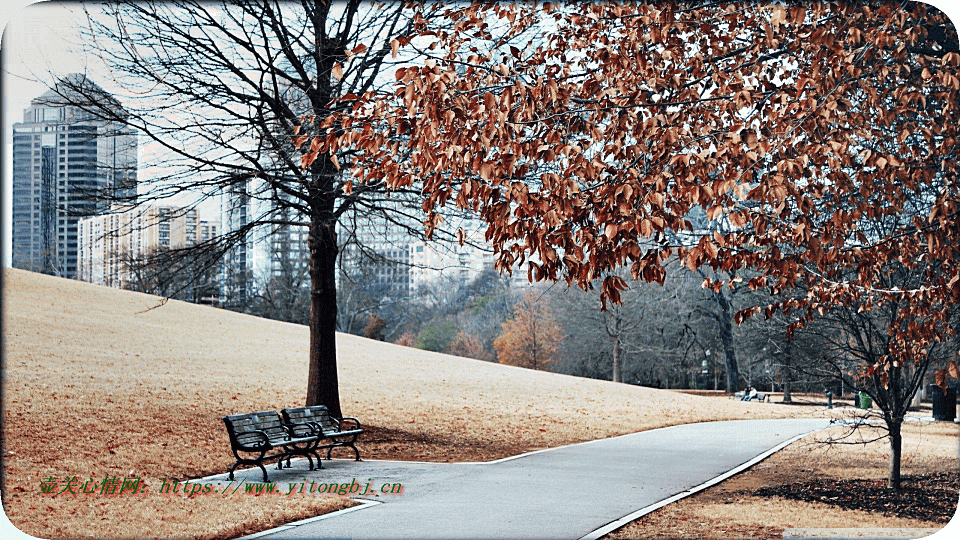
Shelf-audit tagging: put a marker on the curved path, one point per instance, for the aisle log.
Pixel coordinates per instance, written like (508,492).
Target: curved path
(567,492)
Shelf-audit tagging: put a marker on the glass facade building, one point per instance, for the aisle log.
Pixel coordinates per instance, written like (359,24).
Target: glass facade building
(68,163)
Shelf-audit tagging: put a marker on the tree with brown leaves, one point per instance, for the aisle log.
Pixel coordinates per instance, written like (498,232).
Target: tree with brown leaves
(799,127)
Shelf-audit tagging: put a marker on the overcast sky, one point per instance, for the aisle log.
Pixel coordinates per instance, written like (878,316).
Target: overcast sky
(41,39)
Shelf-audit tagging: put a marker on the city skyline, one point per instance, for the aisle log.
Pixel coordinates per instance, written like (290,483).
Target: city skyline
(40,43)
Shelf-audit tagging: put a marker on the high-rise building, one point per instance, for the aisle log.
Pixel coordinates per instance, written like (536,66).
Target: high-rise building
(111,243)
(67,163)
(262,251)
(448,262)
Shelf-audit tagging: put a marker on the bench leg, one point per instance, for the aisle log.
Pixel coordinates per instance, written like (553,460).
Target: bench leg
(310,454)
(259,464)
(262,468)
(350,445)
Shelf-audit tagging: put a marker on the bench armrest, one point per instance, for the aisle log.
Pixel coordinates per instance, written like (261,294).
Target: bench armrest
(356,423)
(264,442)
(311,429)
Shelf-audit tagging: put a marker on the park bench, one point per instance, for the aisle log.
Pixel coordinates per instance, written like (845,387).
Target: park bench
(325,427)
(263,432)
(760,396)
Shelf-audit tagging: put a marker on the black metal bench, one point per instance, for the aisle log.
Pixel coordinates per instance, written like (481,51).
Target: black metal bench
(262,432)
(326,427)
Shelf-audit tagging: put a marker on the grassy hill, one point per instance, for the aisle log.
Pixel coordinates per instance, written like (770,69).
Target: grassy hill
(111,343)
(99,381)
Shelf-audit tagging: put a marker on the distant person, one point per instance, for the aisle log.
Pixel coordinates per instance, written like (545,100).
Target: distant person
(749,394)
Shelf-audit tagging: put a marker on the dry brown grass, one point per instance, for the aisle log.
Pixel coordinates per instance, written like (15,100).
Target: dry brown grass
(730,510)
(97,383)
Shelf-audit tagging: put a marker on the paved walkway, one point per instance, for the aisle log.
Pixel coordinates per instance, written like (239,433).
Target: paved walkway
(568,492)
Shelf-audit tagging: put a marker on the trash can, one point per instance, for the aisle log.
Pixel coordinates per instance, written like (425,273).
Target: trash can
(863,401)
(944,405)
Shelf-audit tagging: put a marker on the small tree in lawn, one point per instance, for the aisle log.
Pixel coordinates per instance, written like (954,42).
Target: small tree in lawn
(531,338)
(375,327)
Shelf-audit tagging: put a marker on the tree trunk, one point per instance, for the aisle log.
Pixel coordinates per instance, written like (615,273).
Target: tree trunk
(322,385)
(616,359)
(787,374)
(893,477)
(726,338)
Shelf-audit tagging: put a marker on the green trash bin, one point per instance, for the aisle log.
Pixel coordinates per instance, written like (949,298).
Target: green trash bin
(863,401)
(944,404)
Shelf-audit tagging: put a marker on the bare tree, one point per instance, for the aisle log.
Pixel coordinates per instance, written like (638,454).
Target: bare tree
(181,273)
(651,336)
(610,330)
(225,92)
(283,294)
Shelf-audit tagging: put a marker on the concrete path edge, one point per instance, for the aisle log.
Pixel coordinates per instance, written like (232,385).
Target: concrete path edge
(616,524)
(594,535)
(364,503)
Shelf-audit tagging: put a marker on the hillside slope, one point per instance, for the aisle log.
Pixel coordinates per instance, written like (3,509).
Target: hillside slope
(59,331)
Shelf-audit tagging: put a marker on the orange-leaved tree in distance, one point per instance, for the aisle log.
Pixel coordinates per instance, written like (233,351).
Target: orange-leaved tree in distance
(531,338)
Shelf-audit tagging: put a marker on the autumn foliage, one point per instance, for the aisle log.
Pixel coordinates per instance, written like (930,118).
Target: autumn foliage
(531,338)
(375,328)
(469,346)
(820,138)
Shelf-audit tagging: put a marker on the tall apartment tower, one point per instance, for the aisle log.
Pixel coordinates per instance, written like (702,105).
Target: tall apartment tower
(67,164)
(264,252)
(110,242)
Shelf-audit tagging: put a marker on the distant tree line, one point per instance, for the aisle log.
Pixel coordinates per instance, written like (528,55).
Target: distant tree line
(662,337)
